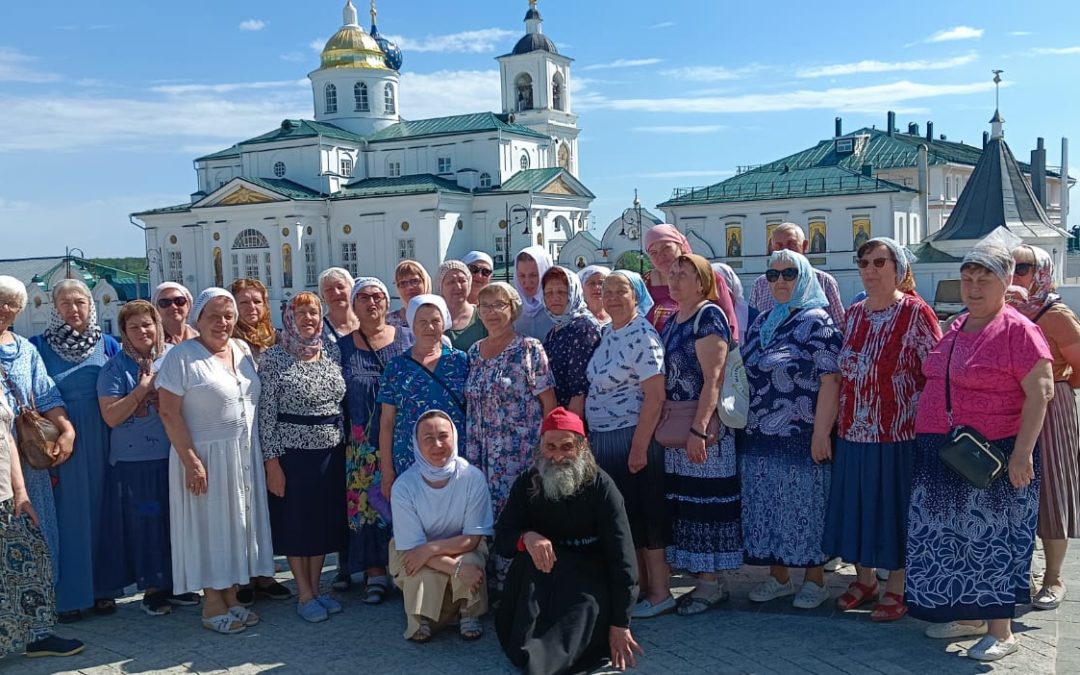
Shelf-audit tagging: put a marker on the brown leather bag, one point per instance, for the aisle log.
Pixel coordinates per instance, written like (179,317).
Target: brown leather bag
(676,417)
(35,435)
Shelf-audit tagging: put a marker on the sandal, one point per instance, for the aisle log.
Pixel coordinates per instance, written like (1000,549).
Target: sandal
(470,628)
(897,610)
(104,606)
(689,604)
(375,593)
(857,595)
(422,634)
(226,624)
(244,616)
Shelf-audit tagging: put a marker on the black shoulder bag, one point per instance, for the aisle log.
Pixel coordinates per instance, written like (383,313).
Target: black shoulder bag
(441,382)
(967,452)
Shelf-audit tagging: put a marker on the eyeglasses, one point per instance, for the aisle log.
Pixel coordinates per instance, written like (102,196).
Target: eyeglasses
(409,283)
(789,274)
(482,271)
(376,298)
(493,307)
(1024,269)
(164,303)
(878,262)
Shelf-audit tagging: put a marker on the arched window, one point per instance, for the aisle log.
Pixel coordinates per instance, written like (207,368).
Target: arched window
(279,169)
(557,92)
(219,273)
(524,163)
(286,266)
(250,238)
(523,88)
(247,262)
(331,99)
(390,106)
(360,95)
(485,180)
(564,156)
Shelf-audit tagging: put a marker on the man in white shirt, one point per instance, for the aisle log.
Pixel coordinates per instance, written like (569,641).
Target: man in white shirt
(791,237)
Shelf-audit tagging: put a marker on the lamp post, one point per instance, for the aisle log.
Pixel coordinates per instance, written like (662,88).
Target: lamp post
(69,253)
(632,216)
(511,210)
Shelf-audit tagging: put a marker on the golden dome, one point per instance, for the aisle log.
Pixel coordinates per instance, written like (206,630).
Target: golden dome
(352,47)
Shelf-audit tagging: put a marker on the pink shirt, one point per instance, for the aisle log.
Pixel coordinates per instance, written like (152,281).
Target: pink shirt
(987,369)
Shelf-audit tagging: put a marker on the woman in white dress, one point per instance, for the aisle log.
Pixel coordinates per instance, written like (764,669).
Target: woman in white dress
(220,527)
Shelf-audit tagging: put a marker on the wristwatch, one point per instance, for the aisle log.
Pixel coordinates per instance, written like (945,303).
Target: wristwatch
(698,434)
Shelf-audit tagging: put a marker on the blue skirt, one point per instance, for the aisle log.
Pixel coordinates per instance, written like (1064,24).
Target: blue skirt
(968,550)
(310,519)
(642,492)
(135,527)
(866,521)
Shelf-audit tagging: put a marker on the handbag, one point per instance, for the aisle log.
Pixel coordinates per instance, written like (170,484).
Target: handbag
(35,435)
(966,451)
(733,405)
(676,417)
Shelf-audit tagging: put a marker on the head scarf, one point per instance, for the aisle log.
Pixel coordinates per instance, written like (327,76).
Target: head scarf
(905,279)
(145,363)
(204,298)
(477,256)
(641,291)
(587,273)
(666,232)
(68,343)
(428,299)
(806,294)
(262,335)
(575,299)
(1041,292)
(705,274)
(297,345)
(430,472)
(993,257)
(735,292)
(171,285)
(447,267)
(365,282)
(531,306)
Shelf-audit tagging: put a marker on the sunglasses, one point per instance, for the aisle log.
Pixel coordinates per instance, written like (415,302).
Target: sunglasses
(164,303)
(878,262)
(789,274)
(482,271)
(1024,269)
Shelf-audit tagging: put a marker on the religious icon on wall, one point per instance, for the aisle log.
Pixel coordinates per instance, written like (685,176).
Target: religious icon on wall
(818,241)
(733,236)
(860,232)
(769,229)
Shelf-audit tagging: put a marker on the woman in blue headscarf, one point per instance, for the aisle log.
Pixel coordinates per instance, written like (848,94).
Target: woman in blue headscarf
(791,364)
(572,339)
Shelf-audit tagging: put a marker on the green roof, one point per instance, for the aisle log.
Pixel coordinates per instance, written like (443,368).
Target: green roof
(227,153)
(285,187)
(926,253)
(402,185)
(291,129)
(179,208)
(456,124)
(534,180)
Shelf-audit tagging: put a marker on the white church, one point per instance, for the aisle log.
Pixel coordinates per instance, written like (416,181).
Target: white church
(362,188)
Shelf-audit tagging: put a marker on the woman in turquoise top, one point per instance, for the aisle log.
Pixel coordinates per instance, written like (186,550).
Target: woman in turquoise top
(74,349)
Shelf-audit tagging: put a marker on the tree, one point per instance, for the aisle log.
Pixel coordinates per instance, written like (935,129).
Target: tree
(634,261)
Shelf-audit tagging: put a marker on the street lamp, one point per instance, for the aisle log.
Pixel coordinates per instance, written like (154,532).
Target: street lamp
(510,210)
(632,216)
(69,253)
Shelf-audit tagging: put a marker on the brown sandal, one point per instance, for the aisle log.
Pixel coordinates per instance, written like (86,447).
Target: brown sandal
(856,595)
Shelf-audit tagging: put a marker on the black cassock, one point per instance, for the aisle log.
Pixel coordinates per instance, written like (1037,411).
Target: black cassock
(558,622)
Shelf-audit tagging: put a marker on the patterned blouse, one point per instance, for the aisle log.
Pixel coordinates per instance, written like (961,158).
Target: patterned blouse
(683,377)
(569,350)
(304,389)
(881,364)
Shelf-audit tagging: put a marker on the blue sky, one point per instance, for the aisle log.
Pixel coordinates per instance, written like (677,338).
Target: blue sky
(105,104)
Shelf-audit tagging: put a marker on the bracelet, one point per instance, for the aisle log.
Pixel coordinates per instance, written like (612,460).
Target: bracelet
(698,434)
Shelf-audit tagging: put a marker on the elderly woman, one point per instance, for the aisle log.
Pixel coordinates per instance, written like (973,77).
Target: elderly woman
(73,349)
(744,314)
(411,280)
(969,549)
(364,357)
(790,358)
(664,243)
(887,338)
(573,337)
(626,395)
(592,283)
(303,448)
(530,265)
(429,376)
(137,480)
(335,285)
(481,267)
(442,512)
(173,302)
(1059,442)
(253,323)
(454,285)
(702,487)
(208,393)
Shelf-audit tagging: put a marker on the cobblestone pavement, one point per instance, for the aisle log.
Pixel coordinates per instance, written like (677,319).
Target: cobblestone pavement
(740,638)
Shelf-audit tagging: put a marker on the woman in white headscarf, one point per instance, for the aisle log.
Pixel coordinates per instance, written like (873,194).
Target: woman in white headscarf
(592,283)
(442,512)
(572,339)
(173,302)
(530,266)
(743,313)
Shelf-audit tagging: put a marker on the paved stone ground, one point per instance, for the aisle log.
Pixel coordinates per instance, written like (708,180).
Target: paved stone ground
(740,638)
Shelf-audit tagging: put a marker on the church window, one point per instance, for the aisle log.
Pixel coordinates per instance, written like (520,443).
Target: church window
(523,92)
(269,278)
(388,100)
(348,257)
(331,99)
(176,267)
(406,249)
(311,266)
(393,169)
(219,273)
(564,156)
(279,169)
(485,180)
(286,266)
(557,92)
(500,249)
(524,163)
(250,238)
(445,165)
(360,96)
(346,166)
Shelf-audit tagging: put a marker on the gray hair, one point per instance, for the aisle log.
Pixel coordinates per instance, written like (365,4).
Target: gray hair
(71,285)
(503,288)
(789,227)
(12,287)
(335,273)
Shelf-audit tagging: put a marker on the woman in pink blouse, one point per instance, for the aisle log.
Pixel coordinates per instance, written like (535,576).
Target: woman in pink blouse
(968,549)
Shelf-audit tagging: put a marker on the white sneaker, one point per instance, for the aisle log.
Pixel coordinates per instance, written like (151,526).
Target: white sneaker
(1050,597)
(833,565)
(810,596)
(955,629)
(771,589)
(991,649)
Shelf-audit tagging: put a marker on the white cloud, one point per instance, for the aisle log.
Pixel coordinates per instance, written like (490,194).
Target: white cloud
(702,173)
(662,24)
(870,66)
(8,205)
(1056,51)
(449,93)
(467,42)
(296,57)
(623,63)
(683,129)
(186,89)
(253,24)
(18,67)
(709,73)
(317,45)
(956,33)
(1020,33)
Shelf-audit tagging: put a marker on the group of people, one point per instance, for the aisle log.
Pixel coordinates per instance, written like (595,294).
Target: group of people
(551,446)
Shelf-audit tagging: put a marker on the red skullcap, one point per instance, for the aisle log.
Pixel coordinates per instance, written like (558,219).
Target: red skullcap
(561,419)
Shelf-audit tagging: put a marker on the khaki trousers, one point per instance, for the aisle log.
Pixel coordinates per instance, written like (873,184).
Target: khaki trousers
(432,595)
